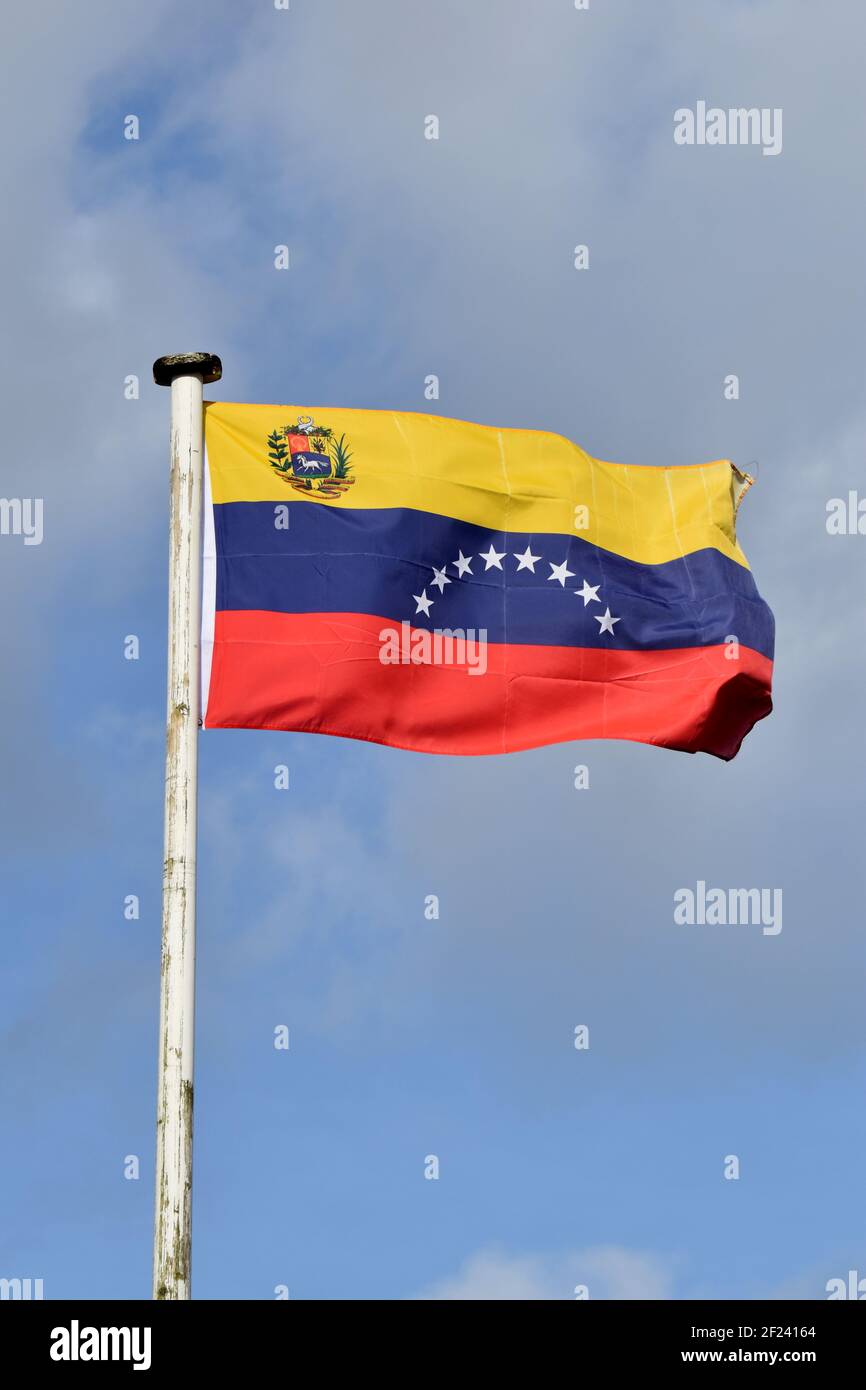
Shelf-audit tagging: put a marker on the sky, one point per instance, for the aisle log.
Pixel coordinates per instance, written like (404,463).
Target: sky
(604,1167)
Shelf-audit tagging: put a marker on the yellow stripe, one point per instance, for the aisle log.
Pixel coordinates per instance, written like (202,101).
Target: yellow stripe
(505,480)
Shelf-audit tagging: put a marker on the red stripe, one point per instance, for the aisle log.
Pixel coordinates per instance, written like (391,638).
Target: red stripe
(322,673)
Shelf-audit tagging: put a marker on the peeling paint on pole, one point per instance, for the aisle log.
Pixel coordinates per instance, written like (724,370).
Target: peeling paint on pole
(173,1217)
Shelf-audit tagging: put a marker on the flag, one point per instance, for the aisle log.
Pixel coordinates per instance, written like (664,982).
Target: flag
(456,588)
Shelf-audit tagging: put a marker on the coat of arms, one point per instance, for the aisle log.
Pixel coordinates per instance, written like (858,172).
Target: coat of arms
(310,458)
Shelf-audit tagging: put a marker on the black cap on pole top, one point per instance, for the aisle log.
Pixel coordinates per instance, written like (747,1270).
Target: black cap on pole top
(203,364)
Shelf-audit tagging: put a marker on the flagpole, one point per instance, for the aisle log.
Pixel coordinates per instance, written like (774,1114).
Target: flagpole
(172,1236)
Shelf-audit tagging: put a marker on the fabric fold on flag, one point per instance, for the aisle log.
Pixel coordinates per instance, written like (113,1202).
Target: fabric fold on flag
(456,588)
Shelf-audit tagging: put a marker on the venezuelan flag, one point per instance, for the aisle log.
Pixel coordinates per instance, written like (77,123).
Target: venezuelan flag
(455,588)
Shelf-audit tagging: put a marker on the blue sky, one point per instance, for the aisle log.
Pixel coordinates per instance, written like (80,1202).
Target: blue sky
(454,1037)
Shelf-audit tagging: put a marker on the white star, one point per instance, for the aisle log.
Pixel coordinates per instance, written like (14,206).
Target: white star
(423,603)
(440,580)
(492,560)
(606,622)
(588,593)
(560,572)
(527,560)
(462,565)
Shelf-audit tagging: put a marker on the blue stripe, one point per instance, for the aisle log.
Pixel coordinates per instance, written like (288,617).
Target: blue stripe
(333,561)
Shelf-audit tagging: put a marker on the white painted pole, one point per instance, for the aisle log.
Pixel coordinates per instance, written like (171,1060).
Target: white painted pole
(172,1243)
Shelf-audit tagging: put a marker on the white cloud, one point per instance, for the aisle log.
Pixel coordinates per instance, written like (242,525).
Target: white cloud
(607,1271)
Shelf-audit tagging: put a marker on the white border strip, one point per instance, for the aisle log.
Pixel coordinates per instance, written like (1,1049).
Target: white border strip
(208,590)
